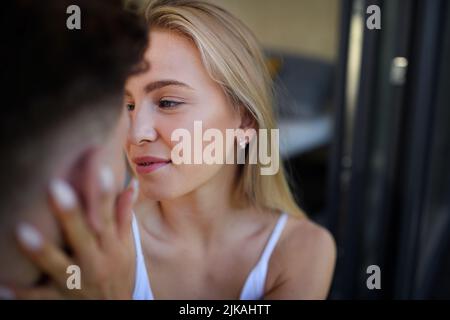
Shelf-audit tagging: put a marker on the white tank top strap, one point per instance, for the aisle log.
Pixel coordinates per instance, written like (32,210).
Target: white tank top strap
(254,285)
(142,289)
(273,240)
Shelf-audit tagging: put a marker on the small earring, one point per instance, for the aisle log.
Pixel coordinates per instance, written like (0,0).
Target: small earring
(242,143)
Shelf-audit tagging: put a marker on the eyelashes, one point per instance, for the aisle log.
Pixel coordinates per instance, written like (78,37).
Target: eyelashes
(164,104)
(168,104)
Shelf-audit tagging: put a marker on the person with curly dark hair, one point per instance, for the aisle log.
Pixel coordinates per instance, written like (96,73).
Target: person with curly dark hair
(61,120)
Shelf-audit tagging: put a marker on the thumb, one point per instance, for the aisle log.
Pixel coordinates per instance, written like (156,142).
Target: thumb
(124,208)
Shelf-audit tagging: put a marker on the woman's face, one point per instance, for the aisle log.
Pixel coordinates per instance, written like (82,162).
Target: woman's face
(174,92)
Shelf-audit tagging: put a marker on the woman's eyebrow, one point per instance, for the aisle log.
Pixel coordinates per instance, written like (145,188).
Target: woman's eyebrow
(164,83)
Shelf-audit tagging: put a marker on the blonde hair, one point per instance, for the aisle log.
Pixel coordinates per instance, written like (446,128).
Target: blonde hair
(233,58)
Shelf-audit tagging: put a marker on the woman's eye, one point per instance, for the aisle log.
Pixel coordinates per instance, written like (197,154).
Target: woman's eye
(130,106)
(167,104)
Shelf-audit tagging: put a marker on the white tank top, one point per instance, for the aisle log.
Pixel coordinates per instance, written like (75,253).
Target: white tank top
(254,285)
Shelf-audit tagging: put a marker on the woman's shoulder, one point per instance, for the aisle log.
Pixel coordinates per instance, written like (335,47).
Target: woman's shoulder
(303,261)
(303,233)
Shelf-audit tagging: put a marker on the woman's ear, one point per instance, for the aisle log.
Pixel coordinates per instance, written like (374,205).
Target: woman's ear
(248,124)
(246,119)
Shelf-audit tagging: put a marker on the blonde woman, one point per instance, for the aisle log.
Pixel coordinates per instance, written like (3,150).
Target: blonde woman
(211,231)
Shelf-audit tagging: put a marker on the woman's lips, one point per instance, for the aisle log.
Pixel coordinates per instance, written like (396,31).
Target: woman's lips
(149,164)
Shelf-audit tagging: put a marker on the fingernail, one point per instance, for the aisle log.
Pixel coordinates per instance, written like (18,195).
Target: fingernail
(106,179)
(135,186)
(6,293)
(29,236)
(63,194)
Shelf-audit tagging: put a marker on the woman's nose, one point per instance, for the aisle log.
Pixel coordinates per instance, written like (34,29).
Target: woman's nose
(142,126)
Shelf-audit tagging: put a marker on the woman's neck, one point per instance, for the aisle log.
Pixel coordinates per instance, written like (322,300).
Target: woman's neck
(205,213)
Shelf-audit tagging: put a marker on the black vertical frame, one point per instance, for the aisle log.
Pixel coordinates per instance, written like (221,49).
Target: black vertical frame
(334,178)
(346,205)
(433,274)
(388,231)
(334,192)
(350,268)
(417,139)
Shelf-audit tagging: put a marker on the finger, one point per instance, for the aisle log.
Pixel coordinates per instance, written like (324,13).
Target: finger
(46,256)
(124,207)
(85,181)
(107,198)
(39,293)
(6,293)
(64,205)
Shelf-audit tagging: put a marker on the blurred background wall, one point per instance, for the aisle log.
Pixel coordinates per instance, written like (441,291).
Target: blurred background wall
(303,27)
